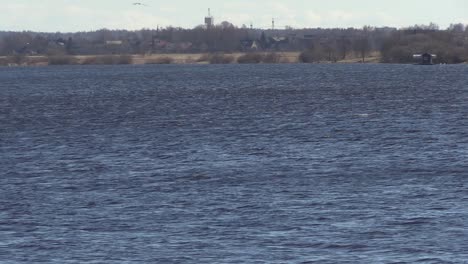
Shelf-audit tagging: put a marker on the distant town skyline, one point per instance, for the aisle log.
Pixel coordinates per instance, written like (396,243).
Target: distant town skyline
(87,15)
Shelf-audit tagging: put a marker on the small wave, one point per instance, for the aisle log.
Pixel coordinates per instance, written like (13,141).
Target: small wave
(416,221)
(363,115)
(346,246)
(430,260)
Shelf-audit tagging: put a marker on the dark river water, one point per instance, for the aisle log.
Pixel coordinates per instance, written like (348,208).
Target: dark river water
(234,164)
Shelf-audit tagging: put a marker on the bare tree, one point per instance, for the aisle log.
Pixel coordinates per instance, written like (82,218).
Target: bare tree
(344,45)
(459,27)
(362,43)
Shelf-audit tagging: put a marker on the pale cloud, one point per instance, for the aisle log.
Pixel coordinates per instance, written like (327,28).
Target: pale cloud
(281,8)
(341,15)
(313,18)
(333,18)
(133,19)
(260,14)
(461,20)
(14,15)
(284,15)
(238,18)
(76,10)
(387,19)
(250,6)
(74,17)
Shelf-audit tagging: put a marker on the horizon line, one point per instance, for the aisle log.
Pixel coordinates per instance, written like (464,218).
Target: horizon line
(237,27)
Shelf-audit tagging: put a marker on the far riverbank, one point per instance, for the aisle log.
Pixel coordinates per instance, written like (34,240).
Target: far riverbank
(192,58)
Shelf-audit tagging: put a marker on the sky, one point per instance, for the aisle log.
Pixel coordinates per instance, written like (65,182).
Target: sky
(87,15)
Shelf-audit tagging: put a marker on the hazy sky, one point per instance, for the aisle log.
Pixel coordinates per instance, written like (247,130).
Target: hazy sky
(80,15)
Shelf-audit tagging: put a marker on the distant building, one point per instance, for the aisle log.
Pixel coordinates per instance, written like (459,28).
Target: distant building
(255,45)
(250,45)
(426,58)
(278,43)
(209,20)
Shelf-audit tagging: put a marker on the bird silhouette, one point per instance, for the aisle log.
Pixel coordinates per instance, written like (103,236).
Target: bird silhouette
(139,4)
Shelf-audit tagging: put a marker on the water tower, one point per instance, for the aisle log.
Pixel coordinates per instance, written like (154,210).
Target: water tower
(209,20)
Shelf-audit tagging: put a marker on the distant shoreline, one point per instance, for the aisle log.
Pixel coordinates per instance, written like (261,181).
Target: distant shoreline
(174,58)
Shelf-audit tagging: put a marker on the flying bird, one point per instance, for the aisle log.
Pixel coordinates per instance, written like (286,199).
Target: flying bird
(139,4)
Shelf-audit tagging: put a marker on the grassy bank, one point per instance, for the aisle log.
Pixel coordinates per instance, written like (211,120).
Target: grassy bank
(212,58)
(65,60)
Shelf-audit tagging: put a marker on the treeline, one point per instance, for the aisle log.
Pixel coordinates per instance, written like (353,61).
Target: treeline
(450,46)
(390,44)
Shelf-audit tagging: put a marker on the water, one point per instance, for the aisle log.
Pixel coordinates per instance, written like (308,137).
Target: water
(234,164)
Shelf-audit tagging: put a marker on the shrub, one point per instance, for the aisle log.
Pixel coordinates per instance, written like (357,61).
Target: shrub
(454,55)
(204,58)
(250,58)
(398,54)
(3,61)
(306,57)
(124,59)
(272,58)
(189,59)
(61,60)
(216,58)
(89,60)
(94,60)
(314,55)
(39,60)
(160,60)
(286,60)
(17,59)
(23,60)
(108,60)
(220,59)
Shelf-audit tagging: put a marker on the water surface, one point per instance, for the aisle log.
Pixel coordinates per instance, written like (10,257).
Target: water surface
(234,164)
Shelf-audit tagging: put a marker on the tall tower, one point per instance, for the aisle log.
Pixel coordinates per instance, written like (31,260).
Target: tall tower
(273,24)
(209,20)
